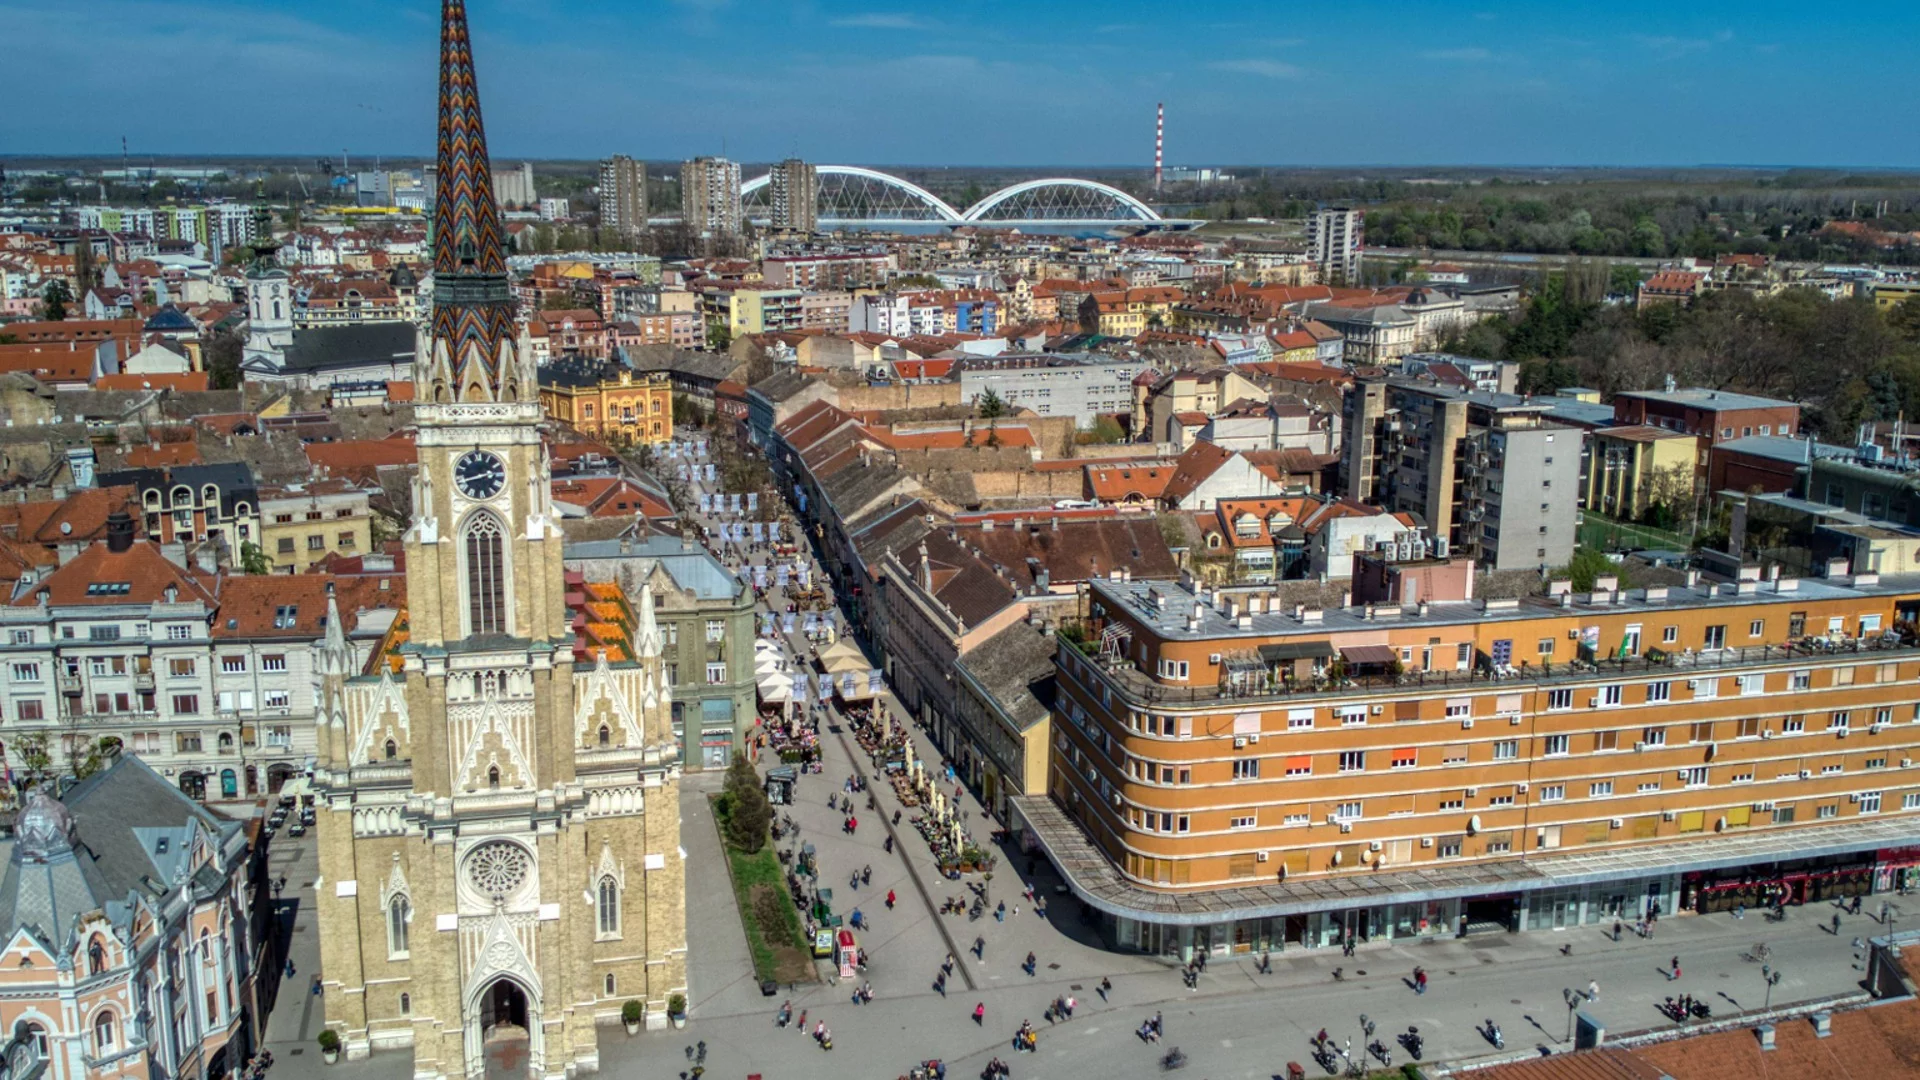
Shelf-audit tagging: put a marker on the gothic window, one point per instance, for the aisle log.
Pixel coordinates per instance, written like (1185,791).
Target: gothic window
(498,867)
(38,1036)
(406,1004)
(96,958)
(609,907)
(486,576)
(398,912)
(606,736)
(609,984)
(392,750)
(493,777)
(103,1042)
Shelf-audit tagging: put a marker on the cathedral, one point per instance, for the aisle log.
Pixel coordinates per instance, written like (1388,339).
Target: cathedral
(499,818)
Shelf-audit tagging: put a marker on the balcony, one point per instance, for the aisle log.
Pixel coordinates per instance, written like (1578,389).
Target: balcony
(1135,684)
(70,684)
(143,680)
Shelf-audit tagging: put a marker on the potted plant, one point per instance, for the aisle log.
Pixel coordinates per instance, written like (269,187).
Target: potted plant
(631,1014)
(677,1009)
(329,1045)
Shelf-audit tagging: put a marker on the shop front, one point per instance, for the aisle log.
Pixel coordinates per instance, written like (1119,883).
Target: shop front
(1803,881)
(1897,870)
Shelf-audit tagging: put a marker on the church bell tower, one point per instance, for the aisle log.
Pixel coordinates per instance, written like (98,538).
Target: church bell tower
(500,865)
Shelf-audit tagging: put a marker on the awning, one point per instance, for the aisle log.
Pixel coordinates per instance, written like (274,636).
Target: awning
(1296,650)
(1369,654)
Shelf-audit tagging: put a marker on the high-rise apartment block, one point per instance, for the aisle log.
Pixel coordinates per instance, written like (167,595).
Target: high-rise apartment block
(514,187)
(1487,472)
(793,189)
(710,196)
(623,195)
(1334,239)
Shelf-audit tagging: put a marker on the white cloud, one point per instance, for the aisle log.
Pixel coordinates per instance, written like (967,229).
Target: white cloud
(1268,69)
(1472,54)
(882,20)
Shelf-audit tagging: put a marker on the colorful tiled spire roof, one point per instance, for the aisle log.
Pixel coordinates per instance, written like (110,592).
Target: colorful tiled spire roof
(473,307)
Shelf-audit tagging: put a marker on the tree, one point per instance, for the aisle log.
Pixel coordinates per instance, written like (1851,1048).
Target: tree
(56,298)
(989,406)
(1103,430)
(719,335)
(1588,564)
(224,351)
(252,559)
(749,814)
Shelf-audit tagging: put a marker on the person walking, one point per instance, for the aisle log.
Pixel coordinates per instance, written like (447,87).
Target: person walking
(1593,989)
(980,1014)
(1419,980)
(1674,973)
(1106,985)
(1836,924)
(889,899)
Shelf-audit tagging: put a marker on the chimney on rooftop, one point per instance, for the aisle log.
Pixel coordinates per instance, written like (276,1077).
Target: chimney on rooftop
(119,531)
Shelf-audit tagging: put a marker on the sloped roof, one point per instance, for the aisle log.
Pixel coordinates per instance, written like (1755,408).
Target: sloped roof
(142,569)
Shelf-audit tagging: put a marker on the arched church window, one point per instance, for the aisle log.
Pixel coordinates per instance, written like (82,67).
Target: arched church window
(606,736)
(393,751)
(103,1042)
(398,911)
(486,575)
(493,777)
(609,905)
(406,1004)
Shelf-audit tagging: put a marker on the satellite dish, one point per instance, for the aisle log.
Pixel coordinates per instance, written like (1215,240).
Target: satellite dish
(66,528)
(1473,824)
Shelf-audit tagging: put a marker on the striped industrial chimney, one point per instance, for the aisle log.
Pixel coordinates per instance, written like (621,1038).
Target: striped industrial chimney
(1159,140)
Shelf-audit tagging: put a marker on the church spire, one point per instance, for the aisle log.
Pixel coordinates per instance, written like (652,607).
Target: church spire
(470,354)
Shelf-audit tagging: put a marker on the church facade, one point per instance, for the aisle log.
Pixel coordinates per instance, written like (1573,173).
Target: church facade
(499,832)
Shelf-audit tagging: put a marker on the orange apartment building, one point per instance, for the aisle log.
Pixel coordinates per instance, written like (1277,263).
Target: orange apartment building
(608,400)
(1229,777)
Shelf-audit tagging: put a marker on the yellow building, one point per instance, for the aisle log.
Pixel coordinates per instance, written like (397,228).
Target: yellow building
(608,400)
(1638,465)
(1888,294)
(300,524)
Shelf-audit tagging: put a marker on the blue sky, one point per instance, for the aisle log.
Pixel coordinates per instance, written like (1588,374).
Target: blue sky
(982,81)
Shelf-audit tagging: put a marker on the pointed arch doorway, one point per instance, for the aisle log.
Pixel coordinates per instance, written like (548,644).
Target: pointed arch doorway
(502,1013)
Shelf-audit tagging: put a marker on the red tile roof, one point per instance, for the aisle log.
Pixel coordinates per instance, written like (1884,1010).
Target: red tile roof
(142,569)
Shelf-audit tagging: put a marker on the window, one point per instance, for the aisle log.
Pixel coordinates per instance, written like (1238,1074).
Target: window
(1560,699)
(1715,638)
(1801,680)
(1659,691)
(1245,822)
(186,704)
(1649,785)
(1669,635)
(23,637)
(716,673)
(1599,789)
(96,958)
(1296,819)
(1347,811)
(1459,707)
(1876,763)
(486,575)
(1405,758)
(233,665)
(273,699)
(1351,715)
(609,906)
(273,662)
(1741,777)
(1300,765)
(103,1040)
(1558,745)
(1701,732)
(1833,768)
(1447,847)
(1793,725)
(1705,688)
(1173,669)
(716,630)
(1506,750)
(406,1003)
(1883,716)
(179,632)
(103,633)
(1697,776)
(1757,628)
(345,541)
(1299,719)
(1500,800)
(1546,648)
(180,668)
(1611,694)
(1353,760)
(187,742)
(399,913)
(1753,684)
(316,542)
(1553,792)
(1455,803)
(1454,755)
(1910,801)
(1246,769)
(1840,721)
(29,710)
(27,672)
(1747,729)
(1783,815)
(1822,813)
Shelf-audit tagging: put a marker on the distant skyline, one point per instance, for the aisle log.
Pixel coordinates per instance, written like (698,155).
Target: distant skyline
(979,82)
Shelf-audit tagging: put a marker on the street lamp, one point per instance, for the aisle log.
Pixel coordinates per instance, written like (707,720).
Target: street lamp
(1771,975)
(1573,1004)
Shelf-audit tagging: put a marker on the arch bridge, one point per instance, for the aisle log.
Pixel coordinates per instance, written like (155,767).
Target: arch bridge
(852,196)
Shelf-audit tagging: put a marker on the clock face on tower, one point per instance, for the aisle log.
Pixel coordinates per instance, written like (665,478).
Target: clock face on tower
(479,474)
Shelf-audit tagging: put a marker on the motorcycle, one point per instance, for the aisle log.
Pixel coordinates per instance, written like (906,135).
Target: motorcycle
(1413,1042)
(1173,1059)
(1495,1035)
(1379,1049)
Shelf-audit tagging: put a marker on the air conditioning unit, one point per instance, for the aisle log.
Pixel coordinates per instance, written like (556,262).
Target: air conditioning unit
(1346,826)
(1840,733)
(1681,774)
(1639,745)
(1260,857)
(1521,788)
(1426,841)
(1253,738)
(1806,774)
(1906,763)
(1854,797)
(1875,729)
(1593,702)
(1573,634)
(1378,709)
(1617,823)
(1766,733)
(1667,815)
(1472,792)
(1693,684)
(1467,723)
(1116,799)
(1333,819)
(1239,743)
(1513,721)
